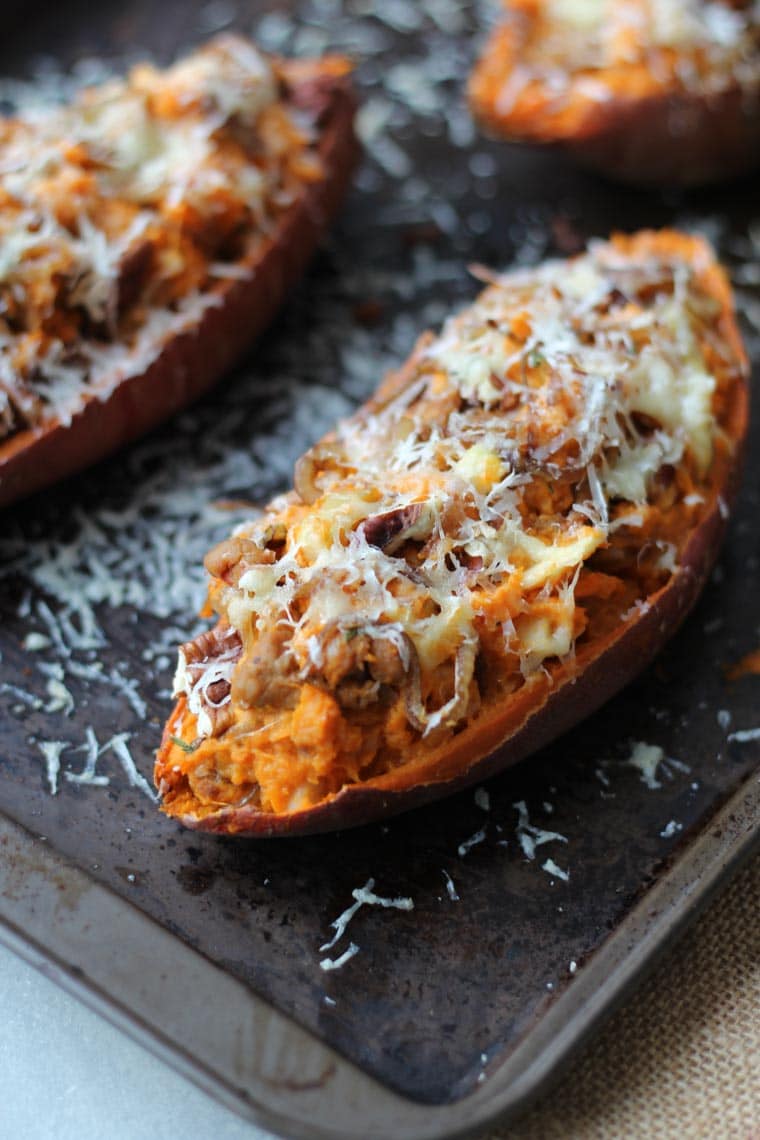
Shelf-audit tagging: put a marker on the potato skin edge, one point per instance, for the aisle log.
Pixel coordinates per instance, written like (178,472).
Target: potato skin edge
(188,364)
(634,142)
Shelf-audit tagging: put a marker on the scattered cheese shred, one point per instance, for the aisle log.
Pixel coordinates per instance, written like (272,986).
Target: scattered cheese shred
(745,735)
(450,888)
(482,799)
(530,837)
(473,841)
(551,868)
(363,896)
(337,963)
(61,699)
(52,750)
(646,758)
(118,744)
(672,828)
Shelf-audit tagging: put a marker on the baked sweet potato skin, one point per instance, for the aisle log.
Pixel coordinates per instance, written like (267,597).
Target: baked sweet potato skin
(187,364)
(679,139)
(507,731)
(651,135)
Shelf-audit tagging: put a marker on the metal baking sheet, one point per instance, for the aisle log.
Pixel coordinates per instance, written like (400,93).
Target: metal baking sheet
(452,1012)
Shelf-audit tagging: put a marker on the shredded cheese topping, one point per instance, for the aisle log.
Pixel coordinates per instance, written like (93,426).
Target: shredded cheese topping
(122,214)
(433,554)
(606,33)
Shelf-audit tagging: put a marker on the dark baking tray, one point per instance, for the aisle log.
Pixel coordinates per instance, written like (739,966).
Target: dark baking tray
(209,950)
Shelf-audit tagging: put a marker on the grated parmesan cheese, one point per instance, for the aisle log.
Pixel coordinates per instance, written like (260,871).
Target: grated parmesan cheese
(473,841)
(450,888)
(646,758)
(52,750)
(482,799)
(363,896)
(337,963)
(745,735)
(118,745)
(672,828)
(529,836)
(551,868)
(650,762)
(61,699)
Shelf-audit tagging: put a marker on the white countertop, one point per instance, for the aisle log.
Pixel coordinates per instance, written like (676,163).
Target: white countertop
(67,1074)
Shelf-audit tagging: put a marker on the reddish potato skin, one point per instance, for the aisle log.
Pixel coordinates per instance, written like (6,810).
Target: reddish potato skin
(679,139)
(190,363)
(495,741)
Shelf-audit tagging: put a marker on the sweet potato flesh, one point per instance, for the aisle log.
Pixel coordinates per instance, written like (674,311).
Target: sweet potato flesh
(136,204)
(515,495)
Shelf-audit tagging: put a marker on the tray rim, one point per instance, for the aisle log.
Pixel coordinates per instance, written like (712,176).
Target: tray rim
(275,1073)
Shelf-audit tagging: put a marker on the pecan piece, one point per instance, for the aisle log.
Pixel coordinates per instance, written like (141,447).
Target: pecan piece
(391,529)
(230,559)
(220,642)
(355,664)
(322,458)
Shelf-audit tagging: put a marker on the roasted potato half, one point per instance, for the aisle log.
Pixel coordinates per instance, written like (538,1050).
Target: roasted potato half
(651,93)
(151,230)
(488,550)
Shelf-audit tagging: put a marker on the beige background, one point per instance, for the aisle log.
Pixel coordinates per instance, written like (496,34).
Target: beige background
(682,1058)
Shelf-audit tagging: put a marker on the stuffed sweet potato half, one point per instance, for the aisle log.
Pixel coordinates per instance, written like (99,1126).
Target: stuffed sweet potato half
(148,232)
(649,91)
(497,542)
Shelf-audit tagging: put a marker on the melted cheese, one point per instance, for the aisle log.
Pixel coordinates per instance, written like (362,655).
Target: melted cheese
(549,561)
(678,394)
(481,467)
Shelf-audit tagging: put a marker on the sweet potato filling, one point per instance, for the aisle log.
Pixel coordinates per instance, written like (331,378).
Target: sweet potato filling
(513,497)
